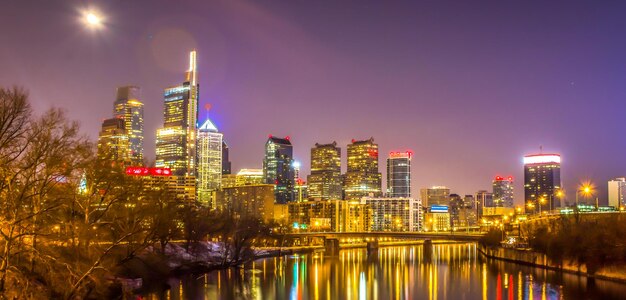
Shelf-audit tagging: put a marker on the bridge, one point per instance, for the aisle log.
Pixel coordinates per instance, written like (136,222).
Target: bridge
(454,236)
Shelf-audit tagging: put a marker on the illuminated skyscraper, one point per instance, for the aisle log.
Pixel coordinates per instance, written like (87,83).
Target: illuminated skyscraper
(113,141)
(436,195)
(278,168)
(542,180)
(249,177)
(362,178)
(617,193)
(209,162)
(176,140)
(399,174)
(325,179)
(503,191)
(483,199)
(128,107)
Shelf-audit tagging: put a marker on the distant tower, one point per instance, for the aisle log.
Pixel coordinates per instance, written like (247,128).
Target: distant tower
(325,180)
(128,107)
(436,195)
(176,140)
(209,162)
(617,193)
(362,177)
(399,174)
(278,168)
(503,191)
(542,181)
(483,199)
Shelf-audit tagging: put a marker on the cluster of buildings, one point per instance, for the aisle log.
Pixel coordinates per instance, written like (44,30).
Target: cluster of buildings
(192,159)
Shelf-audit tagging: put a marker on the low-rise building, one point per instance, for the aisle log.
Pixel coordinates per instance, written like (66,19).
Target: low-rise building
(394,214)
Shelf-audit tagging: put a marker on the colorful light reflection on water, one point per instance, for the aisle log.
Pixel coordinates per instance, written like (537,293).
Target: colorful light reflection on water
(449,271)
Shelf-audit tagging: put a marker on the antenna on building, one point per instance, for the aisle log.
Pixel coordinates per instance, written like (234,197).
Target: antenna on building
(540,149)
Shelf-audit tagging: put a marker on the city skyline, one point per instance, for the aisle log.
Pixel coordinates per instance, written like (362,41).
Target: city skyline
(456,154)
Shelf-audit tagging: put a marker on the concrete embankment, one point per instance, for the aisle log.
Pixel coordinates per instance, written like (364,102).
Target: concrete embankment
(536,259)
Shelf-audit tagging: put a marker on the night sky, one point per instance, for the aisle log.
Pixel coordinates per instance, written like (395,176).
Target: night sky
(469,86)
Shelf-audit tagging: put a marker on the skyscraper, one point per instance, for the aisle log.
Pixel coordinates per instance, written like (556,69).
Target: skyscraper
(399,174)
(362,177)
(617,192)
(542,180)
(278,168)
(503,191)
(113,141)
(129,108)
(176,140)
(483,199)
(325,179)
(209,174)
(436,195)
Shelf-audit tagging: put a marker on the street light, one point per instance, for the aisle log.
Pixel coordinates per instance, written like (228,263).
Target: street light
(586,189)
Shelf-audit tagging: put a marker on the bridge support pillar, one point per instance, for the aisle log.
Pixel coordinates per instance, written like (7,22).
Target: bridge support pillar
(331,247)
(428,250)
(372,247)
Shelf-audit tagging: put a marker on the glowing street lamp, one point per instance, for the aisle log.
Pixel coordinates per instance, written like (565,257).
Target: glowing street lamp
(93,19)
(586,189)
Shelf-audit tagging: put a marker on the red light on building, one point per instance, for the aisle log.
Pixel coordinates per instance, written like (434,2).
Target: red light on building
(500,178)
(143,171)
(269,136)
(353,140)
(287,138)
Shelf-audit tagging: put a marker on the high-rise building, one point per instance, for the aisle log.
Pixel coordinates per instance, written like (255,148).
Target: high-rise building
(247,201)
(394,214)
(209,173)
(542,181)
(176,140)
(617,193)
(483,199)
(129,108)
(225,159)
(436,195)
(325,179)
(503,191)
(362,177)
(329,215)
(113,141)
(399,174)
(278,168)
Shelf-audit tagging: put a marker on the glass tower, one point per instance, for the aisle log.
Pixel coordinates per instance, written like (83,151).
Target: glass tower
(278,168)
(113,141)
(542,179)
(362,177)
(503,191)
(128,108)
(209,175)
(325,179)
(399,174)
(176,140)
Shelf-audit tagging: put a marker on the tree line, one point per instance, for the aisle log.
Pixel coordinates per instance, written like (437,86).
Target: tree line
(71,220)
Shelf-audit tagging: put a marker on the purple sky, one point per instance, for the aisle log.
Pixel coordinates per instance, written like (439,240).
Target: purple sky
(469,87)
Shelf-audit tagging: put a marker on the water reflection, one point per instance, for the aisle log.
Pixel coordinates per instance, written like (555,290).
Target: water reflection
(447,271)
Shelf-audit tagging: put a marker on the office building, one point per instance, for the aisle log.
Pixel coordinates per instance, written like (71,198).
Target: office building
(399,174)
(329,216)
(278,168)
(256,201)
(394,214)
(176,140)
(209,172)
(325,181)
(483,199)
(113,141)
(436,195)
(617,193)
(542,181)
(129,108)
(362,178)
(503,191)
(225,158)
(437,218)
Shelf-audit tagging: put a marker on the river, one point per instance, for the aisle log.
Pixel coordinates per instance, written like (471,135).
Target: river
(449,271)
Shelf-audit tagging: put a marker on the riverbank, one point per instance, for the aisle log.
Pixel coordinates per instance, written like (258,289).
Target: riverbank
(536,259)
